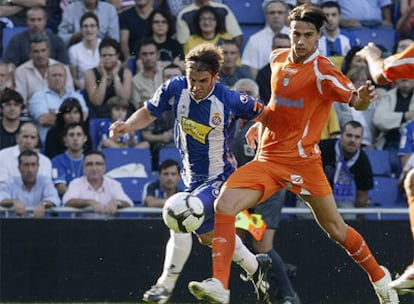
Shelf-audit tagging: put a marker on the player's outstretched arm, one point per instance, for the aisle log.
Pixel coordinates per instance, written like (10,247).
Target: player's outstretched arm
(372,55)
(137,121)
(366,94)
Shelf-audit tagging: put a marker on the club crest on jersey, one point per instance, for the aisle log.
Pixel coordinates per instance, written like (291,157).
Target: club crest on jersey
(216,119)
(196,130)
(296,179)
(286,81)
(244,98)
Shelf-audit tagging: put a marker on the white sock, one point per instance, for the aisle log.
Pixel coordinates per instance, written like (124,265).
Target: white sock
(244,257)
(177,251)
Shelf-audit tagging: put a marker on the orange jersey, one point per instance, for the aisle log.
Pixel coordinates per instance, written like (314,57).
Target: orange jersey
(302,96)
(400,66)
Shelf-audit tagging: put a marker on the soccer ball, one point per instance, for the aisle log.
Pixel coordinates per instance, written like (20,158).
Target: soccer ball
(183,212)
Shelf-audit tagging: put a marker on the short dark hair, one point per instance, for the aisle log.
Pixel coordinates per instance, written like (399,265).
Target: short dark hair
(167,16)
(39,38)
(10,94)
(205,57)
(88,15)
(329,4)
(308,13)
(27,153)
(146,41)
(352,123)
(110,42)
(95,152)
(204,9)
(169,163)
(74,125)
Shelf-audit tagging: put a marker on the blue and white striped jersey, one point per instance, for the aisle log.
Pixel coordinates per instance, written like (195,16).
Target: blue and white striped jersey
(203,129)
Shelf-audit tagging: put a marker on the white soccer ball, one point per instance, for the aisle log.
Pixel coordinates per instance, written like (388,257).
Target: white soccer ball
(183,212)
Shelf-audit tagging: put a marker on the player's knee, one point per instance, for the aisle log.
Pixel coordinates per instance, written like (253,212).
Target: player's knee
(336,232)
(409,183)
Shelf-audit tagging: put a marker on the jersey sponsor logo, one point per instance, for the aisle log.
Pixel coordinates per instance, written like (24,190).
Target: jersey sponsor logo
(296,179)
(287,102)
(244,98)
(216,119)
(196,130)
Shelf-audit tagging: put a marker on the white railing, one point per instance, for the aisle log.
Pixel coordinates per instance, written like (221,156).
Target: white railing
(150,210)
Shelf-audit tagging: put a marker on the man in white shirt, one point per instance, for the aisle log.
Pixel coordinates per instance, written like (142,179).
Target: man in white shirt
(27,139)
(259,46)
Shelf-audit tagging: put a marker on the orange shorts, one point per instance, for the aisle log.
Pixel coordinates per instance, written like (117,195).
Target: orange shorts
(298,176)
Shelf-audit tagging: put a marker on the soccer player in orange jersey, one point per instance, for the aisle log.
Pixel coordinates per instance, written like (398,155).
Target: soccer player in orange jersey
(304,86)
(398,66)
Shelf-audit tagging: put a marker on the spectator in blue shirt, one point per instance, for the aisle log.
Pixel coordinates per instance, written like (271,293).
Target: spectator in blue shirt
(29,190)
(69,164)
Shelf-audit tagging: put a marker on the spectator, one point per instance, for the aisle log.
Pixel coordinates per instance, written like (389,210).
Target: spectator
(103,194)
(263,76)
(257,51)
(366,13)
(70,111)
(160,132)
(186,24)
(359,76)
(69,164)
(122,5)
(208,28)
(17,51)
(45,103)
(107,80)
(84,55)
(31,75)
(333,42)
(29,189)
(27,138)
(352,59)
(149,76)
(332,129)
(405,24)
(133,24)
(404,41)
(15,10)
(161,29)
(118,108)
(156,193)
(230,71)
(347,168)
(70,30)
(394,109)
(170,71)
(11,109)
(6,76)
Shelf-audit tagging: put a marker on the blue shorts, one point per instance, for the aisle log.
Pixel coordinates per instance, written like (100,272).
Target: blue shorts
(208,193)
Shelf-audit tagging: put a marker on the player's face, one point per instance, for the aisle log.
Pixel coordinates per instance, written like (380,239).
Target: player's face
(75,139)
(304,39)
(332,15)
(169,177)
(351,139)
(200,83)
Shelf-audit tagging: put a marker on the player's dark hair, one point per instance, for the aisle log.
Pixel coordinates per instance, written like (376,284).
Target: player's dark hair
(205,57)
(308,13)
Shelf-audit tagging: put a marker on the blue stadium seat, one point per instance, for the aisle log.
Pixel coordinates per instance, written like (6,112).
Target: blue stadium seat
(133,187)
(170,153)
(95,125)
(118,157)
(380,162)
(8,34)
(247,11)
(381,36)
(385,194)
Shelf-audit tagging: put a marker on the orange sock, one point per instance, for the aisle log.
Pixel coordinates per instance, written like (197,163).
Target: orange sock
(359,251)
(411,215)
(223,247)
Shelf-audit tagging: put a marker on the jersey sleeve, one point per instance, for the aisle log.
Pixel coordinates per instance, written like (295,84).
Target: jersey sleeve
(160,101)
(244,106)
(400,66)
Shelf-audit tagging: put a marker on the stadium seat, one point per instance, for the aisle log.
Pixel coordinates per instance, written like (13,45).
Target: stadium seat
(380,36)
(170,153)
(380,162)
(133,187)
(8,34)
(385,194)
(128,162)
(95,125)
(247,11)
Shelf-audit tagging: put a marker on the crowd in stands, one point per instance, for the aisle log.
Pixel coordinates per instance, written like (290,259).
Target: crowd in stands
(69,68)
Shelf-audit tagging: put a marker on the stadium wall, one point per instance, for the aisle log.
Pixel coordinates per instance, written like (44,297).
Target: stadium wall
(77,260)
